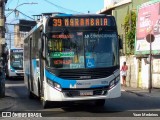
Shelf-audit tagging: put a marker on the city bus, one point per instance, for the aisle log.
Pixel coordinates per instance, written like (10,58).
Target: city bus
(14,67)
(73,58)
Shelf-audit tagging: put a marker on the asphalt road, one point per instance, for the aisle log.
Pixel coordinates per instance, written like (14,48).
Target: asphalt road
(128,105)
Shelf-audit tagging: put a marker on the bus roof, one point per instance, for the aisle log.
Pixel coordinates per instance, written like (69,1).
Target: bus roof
(81,15)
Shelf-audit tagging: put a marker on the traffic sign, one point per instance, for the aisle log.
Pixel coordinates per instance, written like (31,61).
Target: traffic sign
(150,38)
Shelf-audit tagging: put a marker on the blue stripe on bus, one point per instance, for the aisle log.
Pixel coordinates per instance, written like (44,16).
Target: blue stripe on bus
(34,63)
(64,83)
(63,14)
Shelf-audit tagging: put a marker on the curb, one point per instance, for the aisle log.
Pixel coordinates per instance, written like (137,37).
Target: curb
(138,94)
(6,103)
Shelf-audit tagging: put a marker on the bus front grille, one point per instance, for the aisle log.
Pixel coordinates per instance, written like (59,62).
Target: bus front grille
(76,93)
(83,74)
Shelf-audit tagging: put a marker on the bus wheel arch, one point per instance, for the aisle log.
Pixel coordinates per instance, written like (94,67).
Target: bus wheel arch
(45,104)
(100,102)
(30,94)
(39,89)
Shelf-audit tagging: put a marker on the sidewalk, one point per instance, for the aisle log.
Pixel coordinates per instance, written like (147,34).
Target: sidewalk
(142,92)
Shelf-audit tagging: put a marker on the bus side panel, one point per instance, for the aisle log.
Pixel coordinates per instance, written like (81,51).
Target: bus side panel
(35,61)
(26,62)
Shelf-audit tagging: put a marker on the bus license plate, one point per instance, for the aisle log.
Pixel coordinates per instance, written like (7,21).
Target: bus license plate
(86,93)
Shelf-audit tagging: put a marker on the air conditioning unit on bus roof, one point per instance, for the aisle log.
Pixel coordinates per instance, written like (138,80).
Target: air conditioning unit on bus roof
(39,18)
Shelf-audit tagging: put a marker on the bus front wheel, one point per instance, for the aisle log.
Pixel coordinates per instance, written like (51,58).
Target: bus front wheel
(31,95)
(45,104)
(100,102)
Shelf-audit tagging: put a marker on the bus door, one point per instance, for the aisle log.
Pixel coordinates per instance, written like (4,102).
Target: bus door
(30,62)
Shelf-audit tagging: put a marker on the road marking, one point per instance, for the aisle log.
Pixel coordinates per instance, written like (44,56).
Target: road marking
(13,85)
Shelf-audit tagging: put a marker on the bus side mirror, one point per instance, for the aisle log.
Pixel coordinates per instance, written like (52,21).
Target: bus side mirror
(120,42)
(41,46)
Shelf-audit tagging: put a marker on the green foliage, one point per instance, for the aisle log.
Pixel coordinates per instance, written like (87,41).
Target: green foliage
(130,28)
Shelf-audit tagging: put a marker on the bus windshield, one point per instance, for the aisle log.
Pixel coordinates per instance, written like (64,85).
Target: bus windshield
(16,60)
(88,49)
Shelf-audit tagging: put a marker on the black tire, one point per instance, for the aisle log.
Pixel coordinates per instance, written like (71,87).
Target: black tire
(31,95)
(45,104)
(100,102)
(2,88)
(7,76)
(39,90)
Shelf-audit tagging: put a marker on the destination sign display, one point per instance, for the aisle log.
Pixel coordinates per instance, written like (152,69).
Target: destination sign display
(63,36)
(80,22)
(61,62)
(17,50)
(62,54)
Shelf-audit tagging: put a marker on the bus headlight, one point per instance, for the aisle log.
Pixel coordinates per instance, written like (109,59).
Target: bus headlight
(54,85)
(117,79)
(114,82)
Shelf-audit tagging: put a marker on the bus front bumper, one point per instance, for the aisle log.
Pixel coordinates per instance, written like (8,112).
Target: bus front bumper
(55,95)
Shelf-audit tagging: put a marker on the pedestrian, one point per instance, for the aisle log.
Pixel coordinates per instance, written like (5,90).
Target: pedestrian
(124,73)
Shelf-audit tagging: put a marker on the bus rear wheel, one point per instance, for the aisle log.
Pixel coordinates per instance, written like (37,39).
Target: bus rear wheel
(100,102)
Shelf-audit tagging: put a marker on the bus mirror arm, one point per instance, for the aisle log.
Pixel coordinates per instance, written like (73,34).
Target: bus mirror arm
(41,49)
(42,55)
(120,42)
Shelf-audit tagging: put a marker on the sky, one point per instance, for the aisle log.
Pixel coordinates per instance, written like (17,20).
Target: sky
(44,6)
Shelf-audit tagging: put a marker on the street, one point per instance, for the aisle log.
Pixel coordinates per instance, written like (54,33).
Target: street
(113,107)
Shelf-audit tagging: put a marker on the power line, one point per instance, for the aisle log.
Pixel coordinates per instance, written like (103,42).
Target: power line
(26,15)
(17,2)
(16,8)
(19,12)
(60,6)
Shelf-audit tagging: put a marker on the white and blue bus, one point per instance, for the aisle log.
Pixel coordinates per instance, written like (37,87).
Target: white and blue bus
(73,58)
(14,67)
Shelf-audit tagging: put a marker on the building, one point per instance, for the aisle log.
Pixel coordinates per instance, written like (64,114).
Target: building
(2,24)
(138,73)
(2,47)
(119,9)
(21,30)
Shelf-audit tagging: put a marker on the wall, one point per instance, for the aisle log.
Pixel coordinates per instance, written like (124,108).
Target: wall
(156,72)
(132,73)
(111,3)
(145,74)
(18,37)
(134,79)
(120,13)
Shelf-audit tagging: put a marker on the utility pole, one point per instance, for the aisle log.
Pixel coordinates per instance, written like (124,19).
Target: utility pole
(150,38)
(2,44)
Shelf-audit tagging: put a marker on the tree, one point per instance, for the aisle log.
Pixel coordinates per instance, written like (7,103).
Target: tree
(130,29)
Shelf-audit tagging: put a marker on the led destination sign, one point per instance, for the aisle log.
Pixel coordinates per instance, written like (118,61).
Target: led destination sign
(17,50)
(80,22)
